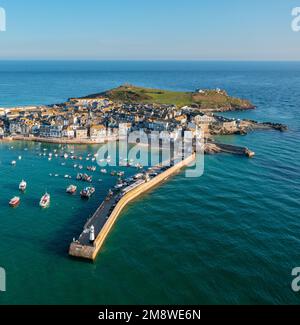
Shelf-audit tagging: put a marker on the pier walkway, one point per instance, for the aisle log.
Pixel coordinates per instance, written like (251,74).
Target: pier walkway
(106,215)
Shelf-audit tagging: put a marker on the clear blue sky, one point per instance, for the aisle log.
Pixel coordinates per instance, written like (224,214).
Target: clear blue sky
(150,29)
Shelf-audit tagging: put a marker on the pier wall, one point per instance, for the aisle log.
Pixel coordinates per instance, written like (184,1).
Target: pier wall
(236,150)
(91,253)
(214,147)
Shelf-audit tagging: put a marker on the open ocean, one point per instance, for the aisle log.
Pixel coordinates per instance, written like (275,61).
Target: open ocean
(231,236)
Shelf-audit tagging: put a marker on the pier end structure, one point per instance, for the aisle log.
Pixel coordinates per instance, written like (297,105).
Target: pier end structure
(90,252)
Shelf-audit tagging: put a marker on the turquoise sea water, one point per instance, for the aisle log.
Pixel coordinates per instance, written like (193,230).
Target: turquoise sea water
(231,236)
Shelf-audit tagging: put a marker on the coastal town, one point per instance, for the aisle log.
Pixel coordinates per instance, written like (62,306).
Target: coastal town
(96,119)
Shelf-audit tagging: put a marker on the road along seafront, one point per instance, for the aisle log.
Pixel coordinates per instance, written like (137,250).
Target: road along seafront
(100,224)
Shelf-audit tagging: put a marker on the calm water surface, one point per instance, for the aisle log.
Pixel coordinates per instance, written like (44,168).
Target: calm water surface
(231,236)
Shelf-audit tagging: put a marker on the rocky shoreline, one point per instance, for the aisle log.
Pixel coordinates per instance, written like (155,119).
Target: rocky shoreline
(246,126)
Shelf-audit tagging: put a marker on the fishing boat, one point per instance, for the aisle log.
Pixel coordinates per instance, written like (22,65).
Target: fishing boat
(84,177)
(22,186)
(71,189)
(138,176)
(118,186)
(87,178)
(45,201)
(14,202)
(87,192)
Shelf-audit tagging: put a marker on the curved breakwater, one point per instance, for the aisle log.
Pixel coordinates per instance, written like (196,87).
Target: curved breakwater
(90,251)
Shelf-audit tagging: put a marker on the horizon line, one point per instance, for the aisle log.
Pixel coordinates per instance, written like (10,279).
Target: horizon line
(149,60)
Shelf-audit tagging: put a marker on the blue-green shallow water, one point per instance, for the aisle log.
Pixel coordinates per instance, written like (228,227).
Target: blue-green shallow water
(231,236)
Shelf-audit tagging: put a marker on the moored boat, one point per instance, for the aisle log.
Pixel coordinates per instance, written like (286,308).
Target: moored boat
(45,201)
(22,186)
(87,192)
(71,189)
(14,202)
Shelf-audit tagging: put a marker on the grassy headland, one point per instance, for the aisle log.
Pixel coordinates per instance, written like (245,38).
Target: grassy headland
(208,100)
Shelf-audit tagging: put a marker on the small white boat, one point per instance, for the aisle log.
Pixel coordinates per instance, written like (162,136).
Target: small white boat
(13,163)
(20,157)
(22,186)
(103,171)
(45,201)
(71,189)
(87,192)
(14,202)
